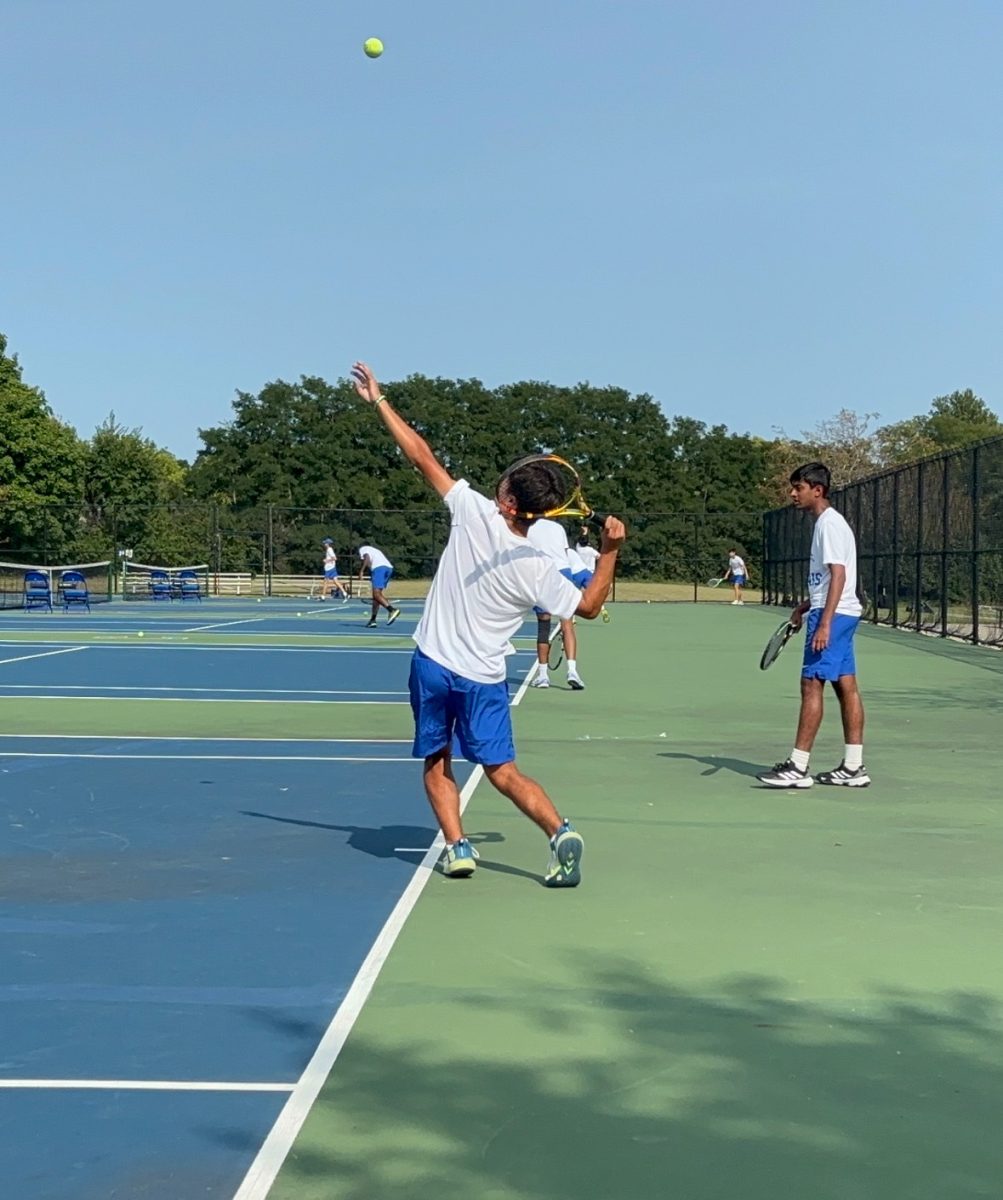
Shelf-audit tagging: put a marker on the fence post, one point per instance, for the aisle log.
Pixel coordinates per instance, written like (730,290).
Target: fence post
(917,595)
(270,551)
(894,598)
(696,553)
(976,499)
(944,543)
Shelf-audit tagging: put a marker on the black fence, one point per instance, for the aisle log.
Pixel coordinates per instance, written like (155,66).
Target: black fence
(929,545)
(270,540)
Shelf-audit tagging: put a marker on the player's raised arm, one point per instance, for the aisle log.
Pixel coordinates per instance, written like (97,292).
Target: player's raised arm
(412,444)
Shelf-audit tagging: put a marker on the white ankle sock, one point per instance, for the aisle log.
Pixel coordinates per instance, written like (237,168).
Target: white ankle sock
(572,666)
(800,759)
(853,756)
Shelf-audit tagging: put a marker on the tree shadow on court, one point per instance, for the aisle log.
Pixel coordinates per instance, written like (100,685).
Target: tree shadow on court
(408,843)
(717,762)
(604,1083)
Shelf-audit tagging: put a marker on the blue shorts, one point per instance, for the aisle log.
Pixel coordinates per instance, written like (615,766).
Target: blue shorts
(837,658)
(379,577)
(738,580)
(332,574)
(446,704)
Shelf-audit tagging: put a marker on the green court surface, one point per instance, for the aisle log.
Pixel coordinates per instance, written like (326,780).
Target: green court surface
(754,994)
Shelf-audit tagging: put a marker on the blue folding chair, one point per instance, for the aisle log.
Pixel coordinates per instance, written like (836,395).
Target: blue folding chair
(188,586)
(74,591)
(37,590)
(160,586)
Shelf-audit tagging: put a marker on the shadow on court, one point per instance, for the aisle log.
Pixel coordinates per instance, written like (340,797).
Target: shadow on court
(716,762)
(636,1088)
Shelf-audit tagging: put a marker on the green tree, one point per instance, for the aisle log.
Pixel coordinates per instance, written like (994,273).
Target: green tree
(41,471)
(953,421)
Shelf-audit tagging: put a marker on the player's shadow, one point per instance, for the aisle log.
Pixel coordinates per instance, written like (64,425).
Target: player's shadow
(717,762)
(408,843)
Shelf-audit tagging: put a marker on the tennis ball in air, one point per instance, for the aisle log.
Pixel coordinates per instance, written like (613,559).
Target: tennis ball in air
(373,47)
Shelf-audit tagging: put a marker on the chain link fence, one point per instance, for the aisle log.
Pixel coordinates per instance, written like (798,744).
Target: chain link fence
(929,545)
(269,541)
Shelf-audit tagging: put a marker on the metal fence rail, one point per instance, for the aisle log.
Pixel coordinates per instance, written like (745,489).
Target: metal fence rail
(929,545)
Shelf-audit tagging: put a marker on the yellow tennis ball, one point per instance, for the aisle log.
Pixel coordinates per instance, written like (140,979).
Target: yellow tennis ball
(373,47)
(140,634)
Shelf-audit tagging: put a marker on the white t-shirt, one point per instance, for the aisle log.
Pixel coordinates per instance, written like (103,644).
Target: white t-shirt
(330,559)
(487,580)
(832,542)
(589,556)
(548,536)
(736,565)
(376,557)
(575,561)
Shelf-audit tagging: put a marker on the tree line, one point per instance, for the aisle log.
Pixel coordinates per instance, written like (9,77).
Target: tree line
(299,461)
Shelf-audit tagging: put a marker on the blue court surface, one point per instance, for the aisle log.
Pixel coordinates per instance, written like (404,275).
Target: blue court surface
(182,914)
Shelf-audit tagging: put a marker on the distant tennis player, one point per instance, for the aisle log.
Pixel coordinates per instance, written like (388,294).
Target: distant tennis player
(331,580)
(380,569)
(738,574)
(586,551)
(488,578)
(833,611)
(549,536)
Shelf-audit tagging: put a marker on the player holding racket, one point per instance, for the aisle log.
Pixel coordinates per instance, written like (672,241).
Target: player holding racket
(488,578)
(550,537)
(833,611)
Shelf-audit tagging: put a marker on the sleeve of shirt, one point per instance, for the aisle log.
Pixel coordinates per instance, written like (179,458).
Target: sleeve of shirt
(464,503)
(557,595)
(837,549)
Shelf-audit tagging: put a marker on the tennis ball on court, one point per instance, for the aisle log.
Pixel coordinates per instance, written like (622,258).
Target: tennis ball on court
(299,614)
(140,634)
(373,47)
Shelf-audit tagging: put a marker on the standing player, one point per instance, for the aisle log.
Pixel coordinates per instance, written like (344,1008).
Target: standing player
(550,537)
(833,616)
(586,551)
(380,569)
(488,578)
(331,580)
(738,575)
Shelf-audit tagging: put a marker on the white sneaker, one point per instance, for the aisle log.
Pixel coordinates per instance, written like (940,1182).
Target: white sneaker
(575,682)
(540,681)
(736,601)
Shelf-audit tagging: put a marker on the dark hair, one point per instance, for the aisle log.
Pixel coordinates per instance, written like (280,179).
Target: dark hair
(583,536)
(537,487)
(815,474)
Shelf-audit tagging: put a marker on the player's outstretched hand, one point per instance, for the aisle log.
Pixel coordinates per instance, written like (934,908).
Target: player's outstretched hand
(614,534)
(365,382)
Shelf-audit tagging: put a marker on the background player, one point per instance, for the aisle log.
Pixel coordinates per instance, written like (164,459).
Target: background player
(738,574)
(380,569)
(549,536)
(331,580)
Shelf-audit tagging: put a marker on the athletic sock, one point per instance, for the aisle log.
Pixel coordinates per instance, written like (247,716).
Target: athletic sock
(800,759)
(853,757)
(572,666)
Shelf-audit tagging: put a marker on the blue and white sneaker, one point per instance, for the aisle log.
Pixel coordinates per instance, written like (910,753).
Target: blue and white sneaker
(565,866)
(460,860)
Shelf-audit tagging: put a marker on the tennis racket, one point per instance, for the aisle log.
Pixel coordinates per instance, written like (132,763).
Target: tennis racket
(555,654)
(715,582)
(574,504)
(777,641)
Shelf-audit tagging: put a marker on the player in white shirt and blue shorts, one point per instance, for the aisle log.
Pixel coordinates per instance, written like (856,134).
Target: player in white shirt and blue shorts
(549,536)
(738,574)
(488,578)
(833,612)
(380,570)
(331,580)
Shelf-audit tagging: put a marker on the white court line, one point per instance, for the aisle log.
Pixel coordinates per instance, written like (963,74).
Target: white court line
(138,687)
(46,654)
(202,700)
(145,1085)
(326,758)
(221,624)
(172,737)
(268,1161)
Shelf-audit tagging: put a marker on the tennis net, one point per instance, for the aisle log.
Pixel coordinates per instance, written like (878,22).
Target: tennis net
(19,580)
(145,581)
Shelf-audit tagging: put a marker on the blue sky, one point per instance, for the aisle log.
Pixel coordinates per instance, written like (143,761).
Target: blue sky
(759,213)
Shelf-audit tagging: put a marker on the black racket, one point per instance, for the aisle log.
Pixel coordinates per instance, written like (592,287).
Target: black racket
(574,504)
(555,653)
(777,641)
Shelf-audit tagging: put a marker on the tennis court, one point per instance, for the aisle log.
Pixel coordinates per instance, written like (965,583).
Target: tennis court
(213,829)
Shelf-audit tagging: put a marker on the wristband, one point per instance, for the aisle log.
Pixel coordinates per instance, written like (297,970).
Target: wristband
(378,401)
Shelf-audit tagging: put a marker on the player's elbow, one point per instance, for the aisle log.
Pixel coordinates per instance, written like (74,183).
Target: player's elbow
(589,609)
